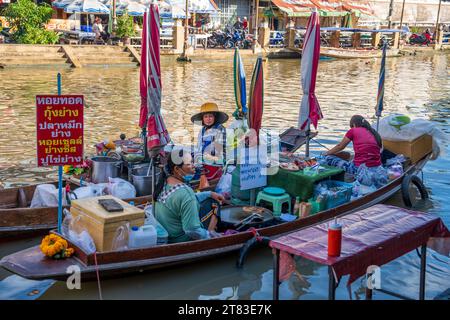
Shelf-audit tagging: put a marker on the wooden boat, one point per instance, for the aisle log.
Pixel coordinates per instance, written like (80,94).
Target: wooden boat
(17,219)
(341,53)
(32,264)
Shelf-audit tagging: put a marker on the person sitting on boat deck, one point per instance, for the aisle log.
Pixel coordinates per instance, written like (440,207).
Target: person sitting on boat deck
(367,145)
(177,207)
(211,145)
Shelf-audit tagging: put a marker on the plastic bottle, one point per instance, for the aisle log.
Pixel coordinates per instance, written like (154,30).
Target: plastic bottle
(145,236)
(297,207)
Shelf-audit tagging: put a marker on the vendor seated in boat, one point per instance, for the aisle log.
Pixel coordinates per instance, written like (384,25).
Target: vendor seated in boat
(211,147)
(177,207)
(367,145)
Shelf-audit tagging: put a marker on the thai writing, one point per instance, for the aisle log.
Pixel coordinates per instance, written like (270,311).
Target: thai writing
(72,124)
(60,142)
(65,149)
(59,100)
(64,112)
(59,159)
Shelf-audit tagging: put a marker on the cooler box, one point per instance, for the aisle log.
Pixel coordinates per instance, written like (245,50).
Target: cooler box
(101,224)
(415,150)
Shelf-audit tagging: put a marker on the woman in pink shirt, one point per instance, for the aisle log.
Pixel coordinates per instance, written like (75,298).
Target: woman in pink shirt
(367,145)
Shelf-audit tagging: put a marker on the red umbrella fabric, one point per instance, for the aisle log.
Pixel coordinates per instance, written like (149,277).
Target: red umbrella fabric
(256,104)
(156,130)
(143,75)
(309,109)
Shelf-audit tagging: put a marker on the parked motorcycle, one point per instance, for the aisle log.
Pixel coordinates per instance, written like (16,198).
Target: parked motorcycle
(217,39)
(234,39)
(419,39)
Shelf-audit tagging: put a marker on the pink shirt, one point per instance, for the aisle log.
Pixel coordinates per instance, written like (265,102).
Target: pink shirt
(366,148)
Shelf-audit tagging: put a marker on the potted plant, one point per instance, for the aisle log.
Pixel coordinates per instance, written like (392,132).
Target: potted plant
(125,27)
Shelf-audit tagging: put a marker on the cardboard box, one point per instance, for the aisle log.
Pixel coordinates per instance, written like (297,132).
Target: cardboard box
(101,224)
(415,150)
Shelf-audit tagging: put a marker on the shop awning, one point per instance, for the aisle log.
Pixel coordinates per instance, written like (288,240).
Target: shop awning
(360,7)
(327,8)
(295,8)
(197,6)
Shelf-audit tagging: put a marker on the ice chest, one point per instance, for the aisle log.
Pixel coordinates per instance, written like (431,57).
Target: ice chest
(101,224)
(415,150)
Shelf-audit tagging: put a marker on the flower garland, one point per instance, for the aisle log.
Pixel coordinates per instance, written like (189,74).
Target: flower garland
(55,247)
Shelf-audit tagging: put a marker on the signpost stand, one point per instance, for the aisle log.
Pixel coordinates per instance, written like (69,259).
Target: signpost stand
(59,134)
(60,172)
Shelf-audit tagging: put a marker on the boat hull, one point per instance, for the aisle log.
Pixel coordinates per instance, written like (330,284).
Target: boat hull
(31,264)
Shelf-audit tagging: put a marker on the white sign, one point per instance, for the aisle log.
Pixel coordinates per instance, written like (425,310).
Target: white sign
(253,176)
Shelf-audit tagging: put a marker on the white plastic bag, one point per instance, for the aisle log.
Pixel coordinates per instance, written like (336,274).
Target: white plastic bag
(46,195)
(224,185)
(80,236)
(92,190)
(121,189)
(162,234)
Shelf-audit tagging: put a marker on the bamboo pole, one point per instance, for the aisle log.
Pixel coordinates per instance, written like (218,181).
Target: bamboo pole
(403,11)
(436,30)
(391,9)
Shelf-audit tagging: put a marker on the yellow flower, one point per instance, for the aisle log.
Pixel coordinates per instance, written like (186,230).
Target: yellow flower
(67,168)
(54,244)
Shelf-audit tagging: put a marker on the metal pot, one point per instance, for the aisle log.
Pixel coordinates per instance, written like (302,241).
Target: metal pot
(141,181)
(104,168)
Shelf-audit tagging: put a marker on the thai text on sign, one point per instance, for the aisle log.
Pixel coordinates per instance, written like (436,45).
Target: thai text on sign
(59,130)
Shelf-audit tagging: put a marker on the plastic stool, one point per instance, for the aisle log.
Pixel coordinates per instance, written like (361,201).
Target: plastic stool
(277,201)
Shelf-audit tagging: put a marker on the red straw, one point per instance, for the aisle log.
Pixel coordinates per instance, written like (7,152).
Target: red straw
(98,276)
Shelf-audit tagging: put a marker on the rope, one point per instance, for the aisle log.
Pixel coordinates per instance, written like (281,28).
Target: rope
(98,277)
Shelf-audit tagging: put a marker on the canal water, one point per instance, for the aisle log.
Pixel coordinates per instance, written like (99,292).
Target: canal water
(415,85)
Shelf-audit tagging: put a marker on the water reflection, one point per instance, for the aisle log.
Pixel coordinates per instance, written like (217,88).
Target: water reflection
(419,86)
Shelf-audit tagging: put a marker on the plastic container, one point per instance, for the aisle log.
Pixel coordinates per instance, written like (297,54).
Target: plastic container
(338,197)
(140,237)
(334,239)
(317,206)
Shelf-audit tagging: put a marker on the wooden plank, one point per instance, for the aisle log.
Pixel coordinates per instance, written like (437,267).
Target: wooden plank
(134,53)
(71,56)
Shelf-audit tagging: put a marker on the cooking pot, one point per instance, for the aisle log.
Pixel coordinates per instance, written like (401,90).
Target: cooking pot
(141,181)
(104,168)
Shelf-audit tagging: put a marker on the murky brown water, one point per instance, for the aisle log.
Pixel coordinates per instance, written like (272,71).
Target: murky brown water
(418,86)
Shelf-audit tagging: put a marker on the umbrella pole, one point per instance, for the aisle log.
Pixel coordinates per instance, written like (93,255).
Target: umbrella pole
(153,184)
(378,122)
(308,133)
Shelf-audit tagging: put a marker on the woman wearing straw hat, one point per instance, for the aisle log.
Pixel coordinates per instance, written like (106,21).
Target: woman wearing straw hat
(211,146)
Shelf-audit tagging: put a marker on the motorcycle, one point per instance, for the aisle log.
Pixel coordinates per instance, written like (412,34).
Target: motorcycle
(217,39)
(234,39)
(419,39)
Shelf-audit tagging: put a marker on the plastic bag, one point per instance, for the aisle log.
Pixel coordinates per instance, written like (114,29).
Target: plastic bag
(120,240)
(80,236)
(224,185)
(93,190)
(46,195)
(121,189)
(360,190)
(65,226)
(373,176)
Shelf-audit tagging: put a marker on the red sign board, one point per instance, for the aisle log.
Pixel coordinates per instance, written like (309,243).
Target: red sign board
(59,130)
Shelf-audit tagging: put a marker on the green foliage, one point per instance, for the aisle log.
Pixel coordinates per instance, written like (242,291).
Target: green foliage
(27,22)
(125,26)
(414,29)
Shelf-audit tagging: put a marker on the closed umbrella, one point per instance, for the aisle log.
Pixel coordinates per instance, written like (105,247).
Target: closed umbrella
(256,104)
(157,135)
(380,94)
(240,92)
(309,108)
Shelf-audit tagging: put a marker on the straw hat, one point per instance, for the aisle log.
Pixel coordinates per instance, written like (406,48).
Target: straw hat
(210,107)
